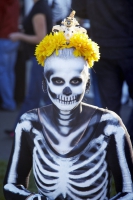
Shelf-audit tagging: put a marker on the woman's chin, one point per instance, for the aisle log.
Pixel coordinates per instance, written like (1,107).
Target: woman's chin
(65,106)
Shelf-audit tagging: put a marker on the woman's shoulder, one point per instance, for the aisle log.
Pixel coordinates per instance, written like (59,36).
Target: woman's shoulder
(111,116)
(28,120)
(87,107)
(29,115)
(112,123)
(41,7)
(107,116)
(109,122)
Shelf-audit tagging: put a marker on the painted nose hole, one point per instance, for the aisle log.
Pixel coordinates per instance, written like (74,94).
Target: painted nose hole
(67,91)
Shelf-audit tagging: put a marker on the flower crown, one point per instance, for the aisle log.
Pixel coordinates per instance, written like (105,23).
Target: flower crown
(68,34)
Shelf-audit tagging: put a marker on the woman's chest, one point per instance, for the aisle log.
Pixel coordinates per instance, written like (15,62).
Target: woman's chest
(77,176)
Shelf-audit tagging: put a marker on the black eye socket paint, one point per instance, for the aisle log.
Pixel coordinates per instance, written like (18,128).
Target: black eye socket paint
(48,74)
(58,81)
(76,81)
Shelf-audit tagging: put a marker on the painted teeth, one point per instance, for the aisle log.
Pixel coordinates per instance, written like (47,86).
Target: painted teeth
(66,100)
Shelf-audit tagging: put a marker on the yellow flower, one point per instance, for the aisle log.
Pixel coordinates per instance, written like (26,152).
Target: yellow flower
(48,45)
(85,47)
(53,42)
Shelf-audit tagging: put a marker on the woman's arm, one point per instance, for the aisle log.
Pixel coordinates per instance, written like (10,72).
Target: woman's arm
(120,160)
(20,164)
(40,28)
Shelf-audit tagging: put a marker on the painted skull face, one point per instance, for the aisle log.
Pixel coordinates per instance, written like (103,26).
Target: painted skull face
(66,80)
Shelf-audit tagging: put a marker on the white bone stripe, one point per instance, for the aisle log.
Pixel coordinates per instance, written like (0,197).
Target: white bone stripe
(104,144)
(43,186)
(103,185)
(101,195)
(33,196)
(45,180)
(92,180)
(127,182)
(37,162)
(44,157)
(11,187)
(12,174)
(85,174)
(73,196)
(51,195)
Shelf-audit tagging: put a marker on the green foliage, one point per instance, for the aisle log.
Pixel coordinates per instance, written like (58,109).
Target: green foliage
(113,191)
(32,186)
(3,165)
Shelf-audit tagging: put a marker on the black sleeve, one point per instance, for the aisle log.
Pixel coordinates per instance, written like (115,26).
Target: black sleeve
(120,160)
(43,8)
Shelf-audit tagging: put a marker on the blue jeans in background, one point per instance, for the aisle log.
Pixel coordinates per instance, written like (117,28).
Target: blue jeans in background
(8,55)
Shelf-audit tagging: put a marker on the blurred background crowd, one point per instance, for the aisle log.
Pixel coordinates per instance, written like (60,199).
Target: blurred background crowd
(23,24)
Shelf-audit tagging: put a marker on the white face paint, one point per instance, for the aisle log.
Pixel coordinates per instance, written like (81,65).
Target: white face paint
(67,81)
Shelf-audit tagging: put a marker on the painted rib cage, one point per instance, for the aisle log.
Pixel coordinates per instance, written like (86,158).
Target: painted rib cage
(87,179)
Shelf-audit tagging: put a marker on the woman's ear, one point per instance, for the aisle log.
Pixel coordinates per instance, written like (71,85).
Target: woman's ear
(44,84)
(87,86)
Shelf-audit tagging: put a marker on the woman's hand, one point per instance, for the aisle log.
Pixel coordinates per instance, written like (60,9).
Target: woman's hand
(36,197)
(16,36)
(40,28)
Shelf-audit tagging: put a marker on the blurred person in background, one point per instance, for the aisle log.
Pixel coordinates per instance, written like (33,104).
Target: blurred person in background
(9,20)
(60,9)
(111,26)
(35,26)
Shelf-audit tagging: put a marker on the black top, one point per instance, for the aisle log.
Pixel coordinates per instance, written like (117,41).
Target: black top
(83,172)
(41,7)
(111,25)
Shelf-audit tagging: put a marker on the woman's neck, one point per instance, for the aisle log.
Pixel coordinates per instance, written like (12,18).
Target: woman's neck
(66,118)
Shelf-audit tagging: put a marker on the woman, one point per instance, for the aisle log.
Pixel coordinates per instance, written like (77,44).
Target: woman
(36,25)
(73,147)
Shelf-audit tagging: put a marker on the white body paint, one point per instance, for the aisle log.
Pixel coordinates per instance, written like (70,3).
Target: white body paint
(63,181)
(67,69)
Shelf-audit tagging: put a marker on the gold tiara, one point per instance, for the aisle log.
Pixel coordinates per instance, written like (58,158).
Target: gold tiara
(67,35)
